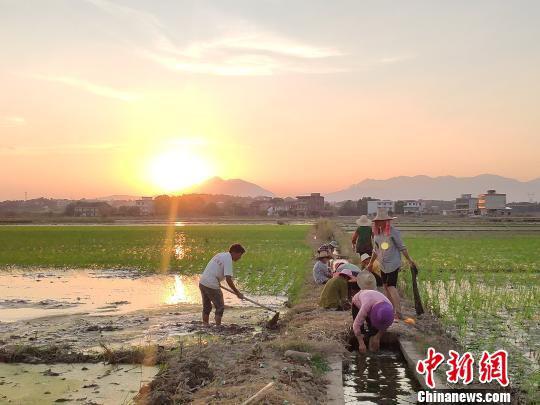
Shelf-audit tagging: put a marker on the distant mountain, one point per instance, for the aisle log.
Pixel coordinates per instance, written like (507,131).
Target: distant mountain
(438,188)
(234,187)
(118,198)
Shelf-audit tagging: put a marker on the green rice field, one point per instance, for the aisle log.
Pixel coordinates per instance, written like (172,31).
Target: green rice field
(485,288)
(275,262)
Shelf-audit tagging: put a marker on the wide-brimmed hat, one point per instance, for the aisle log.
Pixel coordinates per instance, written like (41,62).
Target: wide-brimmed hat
(364,257)
(351,266)
(323,254)
(346,272)
(363,221)
(382,215)
(366,280)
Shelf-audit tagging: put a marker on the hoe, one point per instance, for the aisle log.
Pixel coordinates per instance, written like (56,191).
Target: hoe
(272,322)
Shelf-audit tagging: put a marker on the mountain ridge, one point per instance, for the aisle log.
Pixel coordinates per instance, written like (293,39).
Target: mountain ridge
(233,187)
(437,188)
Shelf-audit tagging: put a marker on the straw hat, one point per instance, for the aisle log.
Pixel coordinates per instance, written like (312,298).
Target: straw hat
(363,221)
(382,215)
(323,254)
(364,257)
(346,272)
(366,280)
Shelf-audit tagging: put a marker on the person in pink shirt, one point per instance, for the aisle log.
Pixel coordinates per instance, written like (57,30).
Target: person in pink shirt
(372,312)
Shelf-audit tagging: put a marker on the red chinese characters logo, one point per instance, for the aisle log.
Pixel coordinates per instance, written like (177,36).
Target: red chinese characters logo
(429,365)
(491,367)
(494,367)
(461,368)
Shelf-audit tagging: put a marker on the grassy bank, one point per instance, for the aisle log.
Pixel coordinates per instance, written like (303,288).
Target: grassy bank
(275,261)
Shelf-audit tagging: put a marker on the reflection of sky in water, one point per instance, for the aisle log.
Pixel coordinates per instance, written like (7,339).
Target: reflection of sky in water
(53,292)
(379,378)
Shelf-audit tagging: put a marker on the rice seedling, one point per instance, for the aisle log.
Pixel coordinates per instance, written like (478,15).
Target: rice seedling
(486,291)
(275,262)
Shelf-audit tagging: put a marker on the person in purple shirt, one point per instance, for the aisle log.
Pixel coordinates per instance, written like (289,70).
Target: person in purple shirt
(372,312)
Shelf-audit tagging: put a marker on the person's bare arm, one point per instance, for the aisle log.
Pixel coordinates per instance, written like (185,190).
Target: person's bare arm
(230,282)
(406,254)
(354,239)
(361,345)
(372,260)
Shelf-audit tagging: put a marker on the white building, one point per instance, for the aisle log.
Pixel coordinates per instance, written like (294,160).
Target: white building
(466,204)
(146,205)
(492,203)
(413,206)
(374,206)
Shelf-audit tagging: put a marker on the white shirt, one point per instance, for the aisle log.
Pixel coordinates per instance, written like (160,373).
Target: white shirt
(218,267)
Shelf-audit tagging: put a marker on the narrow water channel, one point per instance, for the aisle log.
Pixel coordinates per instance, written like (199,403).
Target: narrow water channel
(380,378)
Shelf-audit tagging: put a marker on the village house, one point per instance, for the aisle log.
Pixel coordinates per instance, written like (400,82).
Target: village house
(145,205)
(466,205)
(374,205)
(493,203)
(92,209)
(413,206)
(309,205)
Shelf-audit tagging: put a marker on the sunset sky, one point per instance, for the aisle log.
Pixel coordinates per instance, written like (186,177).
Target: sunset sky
(139,97)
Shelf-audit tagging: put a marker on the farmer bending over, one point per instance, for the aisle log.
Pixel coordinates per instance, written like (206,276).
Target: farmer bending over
(387,248)
(218,268)
(372,313)
(335,294)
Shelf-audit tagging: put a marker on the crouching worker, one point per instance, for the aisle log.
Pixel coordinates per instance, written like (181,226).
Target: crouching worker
(218,268)
(372,312)
(335,294)
(365,260)
(321,270)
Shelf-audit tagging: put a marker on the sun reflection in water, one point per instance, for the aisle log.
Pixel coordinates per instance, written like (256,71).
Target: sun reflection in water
(183,290)
(179,252)
(179,291)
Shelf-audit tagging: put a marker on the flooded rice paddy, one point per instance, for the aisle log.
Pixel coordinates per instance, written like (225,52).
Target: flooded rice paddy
(84,384)
(86,312)
(29,295)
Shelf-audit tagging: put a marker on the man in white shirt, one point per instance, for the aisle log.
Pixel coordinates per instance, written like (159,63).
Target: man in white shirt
(218,268)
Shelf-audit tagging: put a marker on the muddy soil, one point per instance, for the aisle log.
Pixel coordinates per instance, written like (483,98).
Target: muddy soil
(85,384)
(86,335)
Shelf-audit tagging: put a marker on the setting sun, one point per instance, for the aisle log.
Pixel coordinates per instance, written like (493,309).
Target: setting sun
(177,169)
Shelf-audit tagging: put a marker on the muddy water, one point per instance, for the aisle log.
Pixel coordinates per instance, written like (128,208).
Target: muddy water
(72,383)
(83,310)
(30,295)
(379,378)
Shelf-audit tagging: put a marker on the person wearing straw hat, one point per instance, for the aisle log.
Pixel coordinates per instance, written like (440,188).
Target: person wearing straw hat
(335,294)
(365,259)
(387,249)
(361,239)
(321,270)
(353,287)
(372,313)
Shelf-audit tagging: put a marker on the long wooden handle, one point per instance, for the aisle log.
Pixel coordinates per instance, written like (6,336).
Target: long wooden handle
(258,394)
(250,300)
(416,293)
